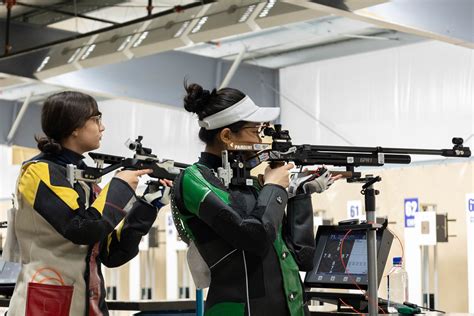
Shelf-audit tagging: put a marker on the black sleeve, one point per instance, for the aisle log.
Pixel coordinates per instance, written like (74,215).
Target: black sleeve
(299,230)
(121,245)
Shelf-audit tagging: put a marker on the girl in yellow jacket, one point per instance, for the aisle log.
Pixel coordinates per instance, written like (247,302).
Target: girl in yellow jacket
(65,232)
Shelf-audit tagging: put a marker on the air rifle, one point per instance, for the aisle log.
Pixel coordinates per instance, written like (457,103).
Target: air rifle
(236,165)
(142,159)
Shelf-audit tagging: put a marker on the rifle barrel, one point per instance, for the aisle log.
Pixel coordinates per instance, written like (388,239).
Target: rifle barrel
(453,152)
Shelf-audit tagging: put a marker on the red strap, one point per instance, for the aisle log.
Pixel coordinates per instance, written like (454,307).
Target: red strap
(59,277)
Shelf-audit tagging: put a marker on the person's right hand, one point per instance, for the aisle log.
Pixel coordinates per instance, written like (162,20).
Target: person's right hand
(131,176)
(279,176)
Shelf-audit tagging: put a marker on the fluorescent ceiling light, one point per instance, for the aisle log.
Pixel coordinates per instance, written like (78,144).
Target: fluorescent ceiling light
(267,8)
(88,51)
(200,24)
(182,29)
(140,39)
(43,63)
(247,13)
(124,43)
(75,55)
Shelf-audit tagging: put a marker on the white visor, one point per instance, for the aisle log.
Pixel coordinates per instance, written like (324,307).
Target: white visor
(244,110)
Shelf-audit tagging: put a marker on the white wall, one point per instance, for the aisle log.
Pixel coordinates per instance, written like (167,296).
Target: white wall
(419,95)
(170,131)
(8,173)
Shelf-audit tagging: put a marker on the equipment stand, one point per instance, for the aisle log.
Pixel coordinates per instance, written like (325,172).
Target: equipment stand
(369,192)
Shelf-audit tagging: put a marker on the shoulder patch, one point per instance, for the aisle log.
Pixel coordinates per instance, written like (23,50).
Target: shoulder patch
(34,173)
(195,189)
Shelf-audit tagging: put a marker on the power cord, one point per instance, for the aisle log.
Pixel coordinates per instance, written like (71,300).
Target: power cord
(426,308)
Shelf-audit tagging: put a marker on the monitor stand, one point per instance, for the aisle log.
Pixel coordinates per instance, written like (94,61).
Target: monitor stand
(356,300)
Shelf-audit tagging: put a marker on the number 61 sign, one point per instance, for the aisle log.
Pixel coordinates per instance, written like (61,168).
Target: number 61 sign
(354,209)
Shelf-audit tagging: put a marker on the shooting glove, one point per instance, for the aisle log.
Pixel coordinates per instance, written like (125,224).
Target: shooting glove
(157,194)
(309,182)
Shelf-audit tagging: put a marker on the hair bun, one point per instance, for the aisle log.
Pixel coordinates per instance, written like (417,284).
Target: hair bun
(48,145)
(196,98)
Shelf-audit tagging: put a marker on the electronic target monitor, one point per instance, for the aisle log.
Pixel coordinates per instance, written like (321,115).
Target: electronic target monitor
(328,270)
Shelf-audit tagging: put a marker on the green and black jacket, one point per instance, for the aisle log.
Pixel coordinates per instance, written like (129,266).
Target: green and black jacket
(254,250)
(66,232)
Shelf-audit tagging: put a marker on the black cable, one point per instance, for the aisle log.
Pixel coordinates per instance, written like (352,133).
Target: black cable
(413,305)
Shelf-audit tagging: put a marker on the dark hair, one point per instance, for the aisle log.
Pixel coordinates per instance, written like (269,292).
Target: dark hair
(62,113)
(205,103)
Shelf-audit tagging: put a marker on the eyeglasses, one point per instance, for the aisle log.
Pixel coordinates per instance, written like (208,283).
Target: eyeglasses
(97,119)
(259,129)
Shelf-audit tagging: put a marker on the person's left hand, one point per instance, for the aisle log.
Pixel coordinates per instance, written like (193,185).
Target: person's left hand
(311,182)
(158,193)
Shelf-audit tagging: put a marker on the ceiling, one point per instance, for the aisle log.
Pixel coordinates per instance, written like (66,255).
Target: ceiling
(73,15)
(278,36)
(266,28)
(302,42)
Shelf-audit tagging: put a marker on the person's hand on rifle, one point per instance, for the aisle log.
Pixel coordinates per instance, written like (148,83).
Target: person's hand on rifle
(157,193)
(279,176)
(131,176)
(311,181)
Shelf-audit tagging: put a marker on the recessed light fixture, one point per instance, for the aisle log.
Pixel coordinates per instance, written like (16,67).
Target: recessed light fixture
(124,43)
(89,50)
(247,13)
(199,25)
(140,39)
(43,63)
(267,8)
(74,56)
(182,29)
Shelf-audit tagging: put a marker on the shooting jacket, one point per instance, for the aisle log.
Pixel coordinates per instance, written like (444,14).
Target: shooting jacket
(66,232)
(253,249)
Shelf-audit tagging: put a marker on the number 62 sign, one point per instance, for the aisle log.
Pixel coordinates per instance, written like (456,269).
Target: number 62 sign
(411,208)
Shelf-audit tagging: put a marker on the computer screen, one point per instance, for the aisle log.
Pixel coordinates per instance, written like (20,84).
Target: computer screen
(328,270)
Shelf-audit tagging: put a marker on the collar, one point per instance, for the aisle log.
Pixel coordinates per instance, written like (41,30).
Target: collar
(210,160)
(63,158)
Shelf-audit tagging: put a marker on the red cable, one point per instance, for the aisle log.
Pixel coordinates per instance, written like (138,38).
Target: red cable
(399,241)
(401,246)
(350,275)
